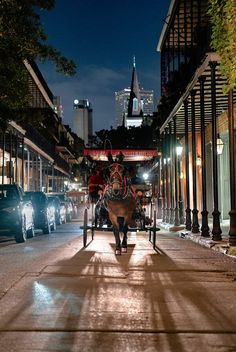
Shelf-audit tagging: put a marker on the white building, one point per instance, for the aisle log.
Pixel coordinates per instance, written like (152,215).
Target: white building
(122,100)
(83,122)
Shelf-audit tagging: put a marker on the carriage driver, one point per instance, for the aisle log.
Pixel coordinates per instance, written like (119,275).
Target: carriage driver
(95,185)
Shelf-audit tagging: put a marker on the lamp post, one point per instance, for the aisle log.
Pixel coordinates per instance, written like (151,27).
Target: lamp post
(179,150)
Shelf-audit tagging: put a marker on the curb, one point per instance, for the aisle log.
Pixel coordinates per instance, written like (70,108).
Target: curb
(218,246)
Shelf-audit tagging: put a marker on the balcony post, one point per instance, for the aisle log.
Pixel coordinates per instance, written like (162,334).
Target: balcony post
(10,167)
(23,162)
(3,154)
(172,215)
(176,219)
(16,147)
(232,213)
(163,179)
(181,211)
(204,227)
(167,177)
(216,231)
(195,224)
(159,199)
(188,222)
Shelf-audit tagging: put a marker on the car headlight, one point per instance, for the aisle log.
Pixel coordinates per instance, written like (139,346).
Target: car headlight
(10,209)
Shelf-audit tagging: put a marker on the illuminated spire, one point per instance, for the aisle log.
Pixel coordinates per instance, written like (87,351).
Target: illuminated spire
(134,105)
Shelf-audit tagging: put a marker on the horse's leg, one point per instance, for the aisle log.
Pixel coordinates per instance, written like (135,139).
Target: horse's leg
(127,218)
(117,239)
(116,232)
(123,228)
(124,241)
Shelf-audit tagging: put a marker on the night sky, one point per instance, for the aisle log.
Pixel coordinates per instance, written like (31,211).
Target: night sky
(102,37)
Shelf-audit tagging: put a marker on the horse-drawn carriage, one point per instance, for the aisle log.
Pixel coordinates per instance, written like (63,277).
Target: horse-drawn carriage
(121,207)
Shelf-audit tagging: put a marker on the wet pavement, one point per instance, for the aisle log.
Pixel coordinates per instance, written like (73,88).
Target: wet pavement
(180,297)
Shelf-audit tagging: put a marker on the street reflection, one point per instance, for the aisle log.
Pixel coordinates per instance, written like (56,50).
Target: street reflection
(42,295)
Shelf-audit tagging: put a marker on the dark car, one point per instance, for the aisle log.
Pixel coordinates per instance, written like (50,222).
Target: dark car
(68,204)
(60,209)
(16,213)
(44,212)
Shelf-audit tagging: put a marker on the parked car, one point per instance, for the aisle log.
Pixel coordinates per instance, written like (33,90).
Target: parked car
(67,202)
(78,198)
(16,213)
(60,209)
(44,212)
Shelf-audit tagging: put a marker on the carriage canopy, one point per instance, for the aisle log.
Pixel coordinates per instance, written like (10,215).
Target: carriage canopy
(129,154)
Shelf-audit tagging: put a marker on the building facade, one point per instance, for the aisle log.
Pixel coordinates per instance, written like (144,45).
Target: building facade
(197,185)
(83,119)
(37,153)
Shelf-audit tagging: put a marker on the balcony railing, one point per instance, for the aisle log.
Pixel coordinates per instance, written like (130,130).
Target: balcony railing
(63,143)
(37,138)
(49,148)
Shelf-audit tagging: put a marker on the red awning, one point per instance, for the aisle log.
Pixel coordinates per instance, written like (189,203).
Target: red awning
(129,154)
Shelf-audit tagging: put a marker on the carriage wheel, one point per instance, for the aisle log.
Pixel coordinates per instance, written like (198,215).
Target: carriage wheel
(85,227)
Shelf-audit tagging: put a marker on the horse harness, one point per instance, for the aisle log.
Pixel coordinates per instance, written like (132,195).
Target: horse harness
(117,177)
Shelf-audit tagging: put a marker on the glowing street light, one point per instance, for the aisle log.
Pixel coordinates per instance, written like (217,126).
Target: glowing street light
(220,145)
(179,150)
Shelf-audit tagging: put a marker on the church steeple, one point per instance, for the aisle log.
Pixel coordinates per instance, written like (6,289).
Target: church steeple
(135,104)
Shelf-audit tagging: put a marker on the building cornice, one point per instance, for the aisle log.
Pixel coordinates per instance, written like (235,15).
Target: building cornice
(38,83)
(17,127)
(37,149)
(199,72)
(166,24)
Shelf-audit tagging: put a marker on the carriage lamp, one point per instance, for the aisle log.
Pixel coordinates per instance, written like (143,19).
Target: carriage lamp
(145,176)
(219,144)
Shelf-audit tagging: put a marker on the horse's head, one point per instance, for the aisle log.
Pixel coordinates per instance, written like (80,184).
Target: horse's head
(117,179)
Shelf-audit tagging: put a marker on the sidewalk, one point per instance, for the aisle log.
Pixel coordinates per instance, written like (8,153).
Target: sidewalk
(219,246)
(142,301)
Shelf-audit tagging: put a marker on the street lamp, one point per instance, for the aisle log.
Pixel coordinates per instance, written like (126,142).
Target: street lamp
(199,160)
(179,150)
(220,145)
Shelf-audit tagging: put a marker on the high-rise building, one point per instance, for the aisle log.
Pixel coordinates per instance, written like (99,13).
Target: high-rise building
(83,121)
(133,102)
